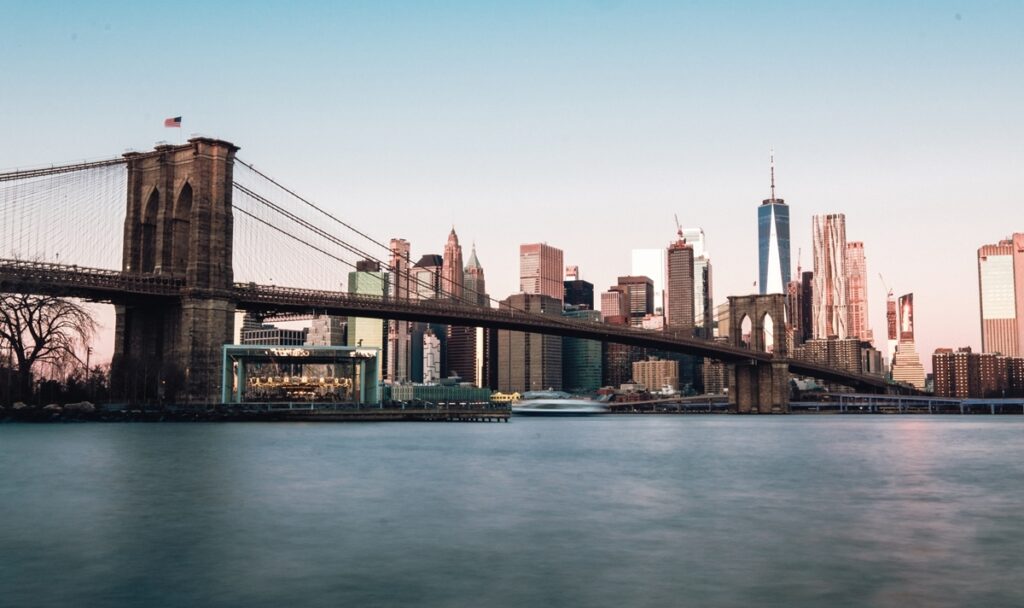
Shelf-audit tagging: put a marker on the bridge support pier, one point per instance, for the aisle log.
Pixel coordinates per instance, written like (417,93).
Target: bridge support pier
(759,388)
(178,227)
(758,322)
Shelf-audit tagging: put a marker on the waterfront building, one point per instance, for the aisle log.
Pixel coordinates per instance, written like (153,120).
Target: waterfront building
(857,292)
(615,303)
(431,357)
(399,351)
(906,364)
(325,330)
(651,263)
(581,359)
(773,241)
(579,293)
(530,361)
(891,326)
(1001,293)
(716,373)
(540,270)
(640,292)
(966,374)
(657,374)
(679,301)
(829,309)
(272,335)
(367,279)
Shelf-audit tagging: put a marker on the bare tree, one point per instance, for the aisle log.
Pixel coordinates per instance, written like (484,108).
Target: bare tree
(43,331)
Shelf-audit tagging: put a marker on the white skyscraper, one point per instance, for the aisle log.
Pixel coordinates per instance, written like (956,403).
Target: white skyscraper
(650,263)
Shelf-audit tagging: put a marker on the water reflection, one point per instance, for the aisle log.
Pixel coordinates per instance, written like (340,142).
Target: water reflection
(709,511)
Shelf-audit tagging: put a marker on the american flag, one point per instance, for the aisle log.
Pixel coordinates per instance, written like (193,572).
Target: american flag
(173,122)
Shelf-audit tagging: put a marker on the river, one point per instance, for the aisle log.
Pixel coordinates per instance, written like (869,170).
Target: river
(607,511)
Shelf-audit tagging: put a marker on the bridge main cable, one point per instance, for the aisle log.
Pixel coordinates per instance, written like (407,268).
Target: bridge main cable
(20,174)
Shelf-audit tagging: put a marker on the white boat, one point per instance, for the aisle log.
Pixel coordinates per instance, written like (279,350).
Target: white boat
(554,403)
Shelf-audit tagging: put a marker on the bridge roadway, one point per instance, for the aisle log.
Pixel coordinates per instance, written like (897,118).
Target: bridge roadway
(113,286)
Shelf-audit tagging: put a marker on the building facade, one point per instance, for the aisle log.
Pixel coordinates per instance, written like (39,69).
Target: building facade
(773,242)
(367,279)
(540,270)
(651,263)
(1001,294)
(581,359)
(640,292)
(829,304)
(679,299)
(657,374)
(399,351)
(528,361)
(906,364)
(857,324)
(579,294)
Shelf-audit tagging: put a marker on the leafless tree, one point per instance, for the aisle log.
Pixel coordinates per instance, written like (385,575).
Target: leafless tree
(42,332)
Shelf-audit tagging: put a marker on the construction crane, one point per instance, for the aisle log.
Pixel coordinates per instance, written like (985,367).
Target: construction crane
(888,291)
(679,227)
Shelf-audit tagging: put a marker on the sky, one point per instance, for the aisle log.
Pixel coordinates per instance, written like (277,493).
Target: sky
(586,125)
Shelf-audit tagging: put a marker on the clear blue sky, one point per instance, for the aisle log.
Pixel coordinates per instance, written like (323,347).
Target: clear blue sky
(583,124)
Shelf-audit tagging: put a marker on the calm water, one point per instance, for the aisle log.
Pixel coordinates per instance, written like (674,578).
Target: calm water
(614,511)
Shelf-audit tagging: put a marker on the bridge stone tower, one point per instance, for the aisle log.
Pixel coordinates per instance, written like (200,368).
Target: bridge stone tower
(178,226)
(758,387)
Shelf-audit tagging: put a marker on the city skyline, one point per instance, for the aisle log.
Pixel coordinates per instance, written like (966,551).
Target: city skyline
(630,120)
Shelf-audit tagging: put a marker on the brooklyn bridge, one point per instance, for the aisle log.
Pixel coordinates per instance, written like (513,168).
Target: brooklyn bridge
(165,235)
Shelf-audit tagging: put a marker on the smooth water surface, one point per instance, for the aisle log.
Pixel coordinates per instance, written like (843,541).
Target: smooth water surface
(609,511)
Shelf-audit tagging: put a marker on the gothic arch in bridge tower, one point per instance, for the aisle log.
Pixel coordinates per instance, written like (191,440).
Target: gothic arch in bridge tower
(148,251)
(768,333)
(181,233)
(746,331)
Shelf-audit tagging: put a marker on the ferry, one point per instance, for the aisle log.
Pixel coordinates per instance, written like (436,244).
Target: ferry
(557,403)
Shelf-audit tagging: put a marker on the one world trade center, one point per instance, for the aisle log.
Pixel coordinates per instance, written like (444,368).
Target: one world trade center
(773,242)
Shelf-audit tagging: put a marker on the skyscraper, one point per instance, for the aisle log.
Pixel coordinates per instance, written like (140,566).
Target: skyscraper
(540,270)
(1001,291)
(640,291)
(466,345)
(830,314)
(679,302)
(773,242)
(529,361)
(579,294)
(475,288)
(399,332)
(702,291)
(906,366)
(367,279)
(857,292)
(451,268)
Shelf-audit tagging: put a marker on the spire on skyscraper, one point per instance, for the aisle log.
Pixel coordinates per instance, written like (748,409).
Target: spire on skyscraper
(772,163)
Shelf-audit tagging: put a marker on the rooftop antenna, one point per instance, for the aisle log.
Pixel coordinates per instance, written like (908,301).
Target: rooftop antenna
(772,161)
